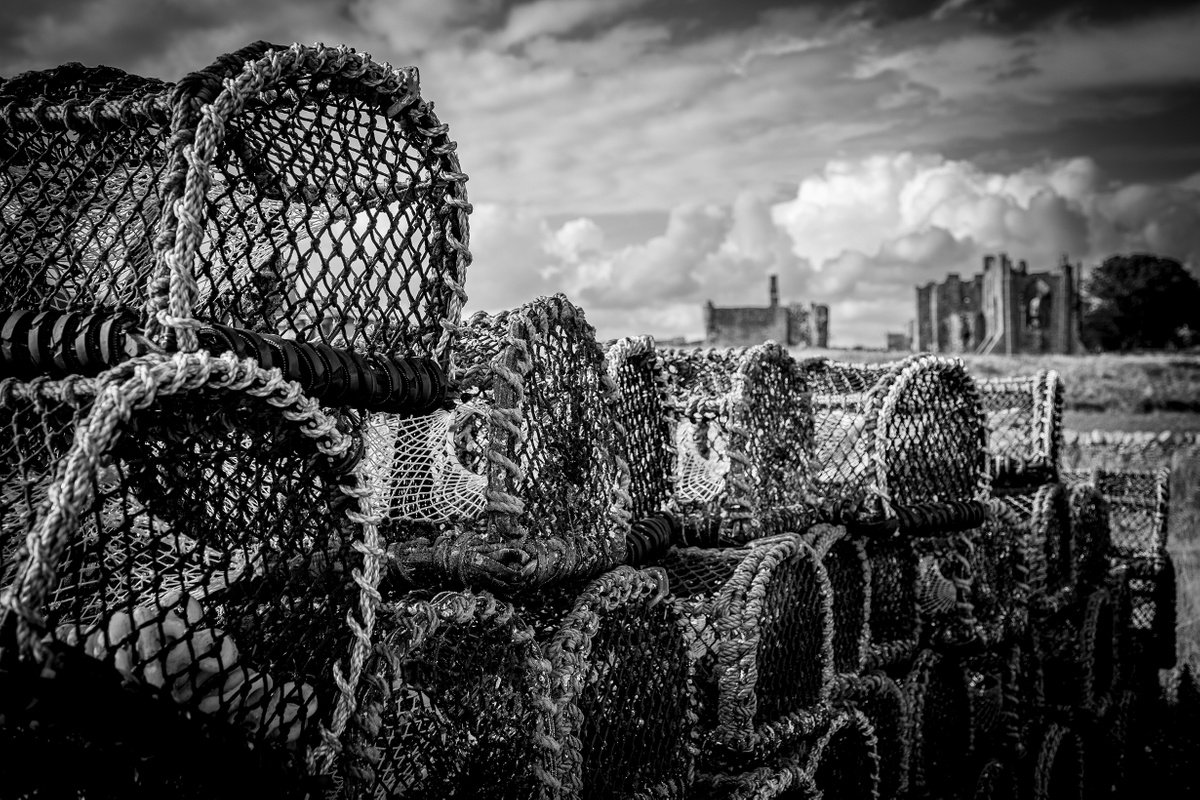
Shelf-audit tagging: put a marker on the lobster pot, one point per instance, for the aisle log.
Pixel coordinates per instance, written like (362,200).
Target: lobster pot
(621,679)
(316,197)
(83,152)
(208,543)
(905,434)
(762,621)
(844,762)
(895,615)
(1145,602)
(1058,765)
(1024,423)
(459,695)
(884,703)
(521,484)
(646,414)
(38,420)
(741,441)
(1090,533)
(974,587)
(941,725)
(997,780)
(1041,522)
(1138,503)
(1082,655)
(849,569)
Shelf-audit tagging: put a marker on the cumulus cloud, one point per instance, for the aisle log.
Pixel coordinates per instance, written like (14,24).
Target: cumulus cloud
(858,235)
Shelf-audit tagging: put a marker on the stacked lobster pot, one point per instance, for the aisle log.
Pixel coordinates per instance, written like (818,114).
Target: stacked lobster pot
(1060,527)
(716,442)
(899,468)
(1141,574)
(206,285)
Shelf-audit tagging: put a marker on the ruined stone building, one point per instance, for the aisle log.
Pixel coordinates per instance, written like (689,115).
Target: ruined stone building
(791,325)
(1005,310)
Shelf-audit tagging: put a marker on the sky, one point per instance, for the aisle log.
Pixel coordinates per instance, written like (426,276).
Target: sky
(646,156)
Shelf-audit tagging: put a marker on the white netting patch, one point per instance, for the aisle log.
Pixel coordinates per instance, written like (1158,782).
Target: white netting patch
(414,466)
(937,594)
(699,478)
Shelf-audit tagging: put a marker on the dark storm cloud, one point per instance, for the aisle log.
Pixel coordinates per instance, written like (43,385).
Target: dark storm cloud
(1018,15)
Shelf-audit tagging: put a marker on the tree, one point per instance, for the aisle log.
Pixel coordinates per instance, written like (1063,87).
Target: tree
(1140,301)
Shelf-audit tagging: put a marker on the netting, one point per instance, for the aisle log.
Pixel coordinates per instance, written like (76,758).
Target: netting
(646,414)
(1081,655)
(788,780)
(1058,769)
(895,617)
(1146,613)
(941,724)
(1090,533)
(1024,421)
(849,570)
(844,762)
(207,543)
(38,420)
(316,196)
(1139,504)
(459,694)
(537,419)
(763,626)
(909,433)
(974,587)
(990,696)
(1041,521)
(884,703)
(742,438)
(622,681)
(82,155)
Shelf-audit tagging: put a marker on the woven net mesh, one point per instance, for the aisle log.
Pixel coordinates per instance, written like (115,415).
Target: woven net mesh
(320,198)
(895,620)
(1041,521)
(902,434)
(849,571)
(881,700)
(762,626)
(37,424)
(331,196)
(645,412)
(1058,771)
(82,154)
(464,701)
(988,695)
(788,780)
(941,709)
(538,420)
(621,677)
(1138,505)
(1145,604)
(1024,421)
(845,760)
(415,466)
(741,441)
(208,559)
